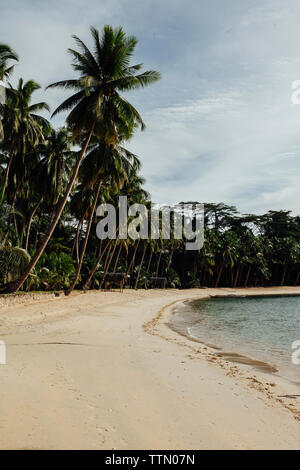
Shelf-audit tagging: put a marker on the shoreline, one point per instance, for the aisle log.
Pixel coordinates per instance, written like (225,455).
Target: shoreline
(104,371)
(233,356)
(261,375)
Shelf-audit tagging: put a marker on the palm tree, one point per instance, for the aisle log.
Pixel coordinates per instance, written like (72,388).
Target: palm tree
(110,166)
(50,174)
(23,128)
(103,75)
(80,207)
(6,54)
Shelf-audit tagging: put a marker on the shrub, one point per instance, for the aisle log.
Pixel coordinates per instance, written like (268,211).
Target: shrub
(13,261)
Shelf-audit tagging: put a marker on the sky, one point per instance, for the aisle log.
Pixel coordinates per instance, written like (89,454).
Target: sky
(221,125)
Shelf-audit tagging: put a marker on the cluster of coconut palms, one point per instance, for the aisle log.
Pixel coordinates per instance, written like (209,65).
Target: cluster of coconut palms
(52,181)
(41,170)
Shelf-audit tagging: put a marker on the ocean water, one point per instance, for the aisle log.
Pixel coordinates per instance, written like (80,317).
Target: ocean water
(255,328)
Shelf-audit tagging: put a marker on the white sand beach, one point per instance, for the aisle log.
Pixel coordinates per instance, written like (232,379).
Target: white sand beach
(102,370)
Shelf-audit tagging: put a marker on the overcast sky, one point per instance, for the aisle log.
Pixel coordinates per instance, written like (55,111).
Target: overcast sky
(220,123)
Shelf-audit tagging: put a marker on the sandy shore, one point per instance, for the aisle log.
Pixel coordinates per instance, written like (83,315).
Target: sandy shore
(103,371)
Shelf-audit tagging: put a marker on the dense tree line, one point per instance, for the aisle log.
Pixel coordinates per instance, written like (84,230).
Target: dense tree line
(52,180)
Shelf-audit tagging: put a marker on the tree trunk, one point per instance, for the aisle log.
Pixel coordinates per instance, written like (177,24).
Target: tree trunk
(131,263)
(79,264)
(236,276)
(101,254)
(283,275)
(9,216)
(16,285)
(7,171)
(108,265)
(99,248)
(30,222)
(76,243)
(158,263)
(140,266)
(247,276)
(117,258)
(219,275)
(195,264)
(297,279)
(170,261)
(149,262)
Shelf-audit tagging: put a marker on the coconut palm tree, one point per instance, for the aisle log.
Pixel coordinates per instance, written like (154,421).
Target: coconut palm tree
(109,166)
(112,166)
(104,73)
(23,128)
(6,54)
(50,175)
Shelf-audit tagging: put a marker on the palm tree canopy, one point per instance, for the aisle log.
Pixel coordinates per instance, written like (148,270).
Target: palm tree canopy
(6,54)
(104,72)
(114,164)
(55,165)
(22,125)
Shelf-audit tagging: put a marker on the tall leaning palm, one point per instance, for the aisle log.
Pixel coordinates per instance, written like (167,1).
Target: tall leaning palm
(104,73)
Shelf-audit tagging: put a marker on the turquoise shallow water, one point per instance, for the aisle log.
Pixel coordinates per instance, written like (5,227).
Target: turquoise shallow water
(261,328)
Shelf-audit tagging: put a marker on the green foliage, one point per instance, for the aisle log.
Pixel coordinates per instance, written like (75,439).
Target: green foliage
(55,271)
(143,282)
(173,279)
(12,262)
(192,281)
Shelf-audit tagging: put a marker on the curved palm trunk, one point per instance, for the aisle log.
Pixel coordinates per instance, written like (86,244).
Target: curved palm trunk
(117,258)
(131,264)
(297,278)
(30,222)
(99,248)
(195,264)
(149,262)
(236,276)
(170,261)
(158,263)
(247,276)
(86,238)
(219,275)
(16,285)
(140,267)
(283,275)
(133,258)
(231,275)
(96,265)
(108,265)
(107,257)
(76,243)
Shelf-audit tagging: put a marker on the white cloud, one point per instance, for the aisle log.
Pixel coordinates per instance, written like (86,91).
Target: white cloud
(220,125)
